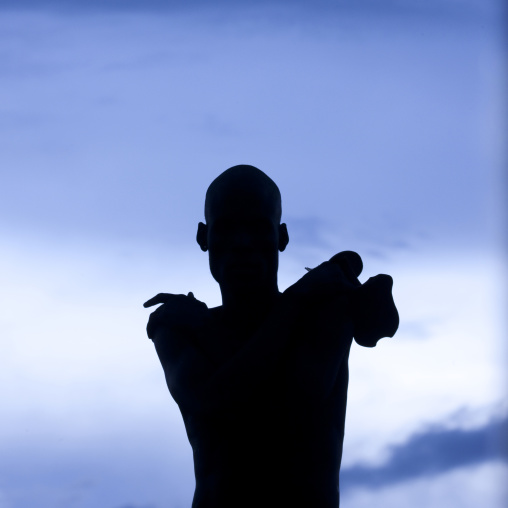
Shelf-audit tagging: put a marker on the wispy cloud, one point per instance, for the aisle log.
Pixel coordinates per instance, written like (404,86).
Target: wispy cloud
(432,453)
(131,113)
(308,231)
(418,329)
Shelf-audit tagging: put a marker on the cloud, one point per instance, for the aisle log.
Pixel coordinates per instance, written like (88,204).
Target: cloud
(418,329)
(470,487)
(433,453)
(308,231)
(130,113)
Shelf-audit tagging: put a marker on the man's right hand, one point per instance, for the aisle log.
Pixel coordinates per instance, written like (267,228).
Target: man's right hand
(176,311)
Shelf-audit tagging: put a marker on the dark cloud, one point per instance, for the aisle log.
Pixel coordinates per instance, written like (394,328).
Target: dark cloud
(431,453)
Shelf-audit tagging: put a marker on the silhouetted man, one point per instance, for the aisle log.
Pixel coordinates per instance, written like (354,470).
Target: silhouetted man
(261,381)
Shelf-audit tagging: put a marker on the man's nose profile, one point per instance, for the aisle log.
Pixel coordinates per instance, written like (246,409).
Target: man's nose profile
(261,380)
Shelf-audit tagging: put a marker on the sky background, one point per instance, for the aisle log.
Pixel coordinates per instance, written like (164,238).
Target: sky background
(383,124)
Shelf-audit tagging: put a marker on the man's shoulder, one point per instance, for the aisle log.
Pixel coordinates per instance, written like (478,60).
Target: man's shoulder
(196,333)
(198,324)
(176,339)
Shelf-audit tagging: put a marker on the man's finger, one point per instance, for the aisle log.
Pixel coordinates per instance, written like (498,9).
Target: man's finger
(354,260)
(351,264)
(160,298)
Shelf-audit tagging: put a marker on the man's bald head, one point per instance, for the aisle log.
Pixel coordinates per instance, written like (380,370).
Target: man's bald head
(240,181)
(243,234)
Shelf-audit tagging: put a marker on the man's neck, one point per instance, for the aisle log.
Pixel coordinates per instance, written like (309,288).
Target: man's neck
(248,307)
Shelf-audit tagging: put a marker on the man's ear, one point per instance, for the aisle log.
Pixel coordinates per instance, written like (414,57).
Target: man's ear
(283,237)
(202,236)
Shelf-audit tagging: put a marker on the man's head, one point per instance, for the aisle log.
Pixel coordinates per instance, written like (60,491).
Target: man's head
(243,233)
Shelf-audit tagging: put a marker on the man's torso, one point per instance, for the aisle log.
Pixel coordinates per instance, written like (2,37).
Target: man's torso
(285,439)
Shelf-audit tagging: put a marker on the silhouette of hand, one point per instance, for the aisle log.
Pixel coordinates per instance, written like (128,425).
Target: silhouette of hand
(176,311)
(374,312)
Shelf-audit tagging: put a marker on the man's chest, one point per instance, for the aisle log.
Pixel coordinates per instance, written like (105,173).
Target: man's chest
(220,343)
(307,371)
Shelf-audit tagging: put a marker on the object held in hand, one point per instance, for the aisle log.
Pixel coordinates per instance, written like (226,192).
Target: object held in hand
(374,312)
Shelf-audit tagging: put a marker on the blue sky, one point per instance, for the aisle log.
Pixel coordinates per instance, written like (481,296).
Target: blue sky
(382,126)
